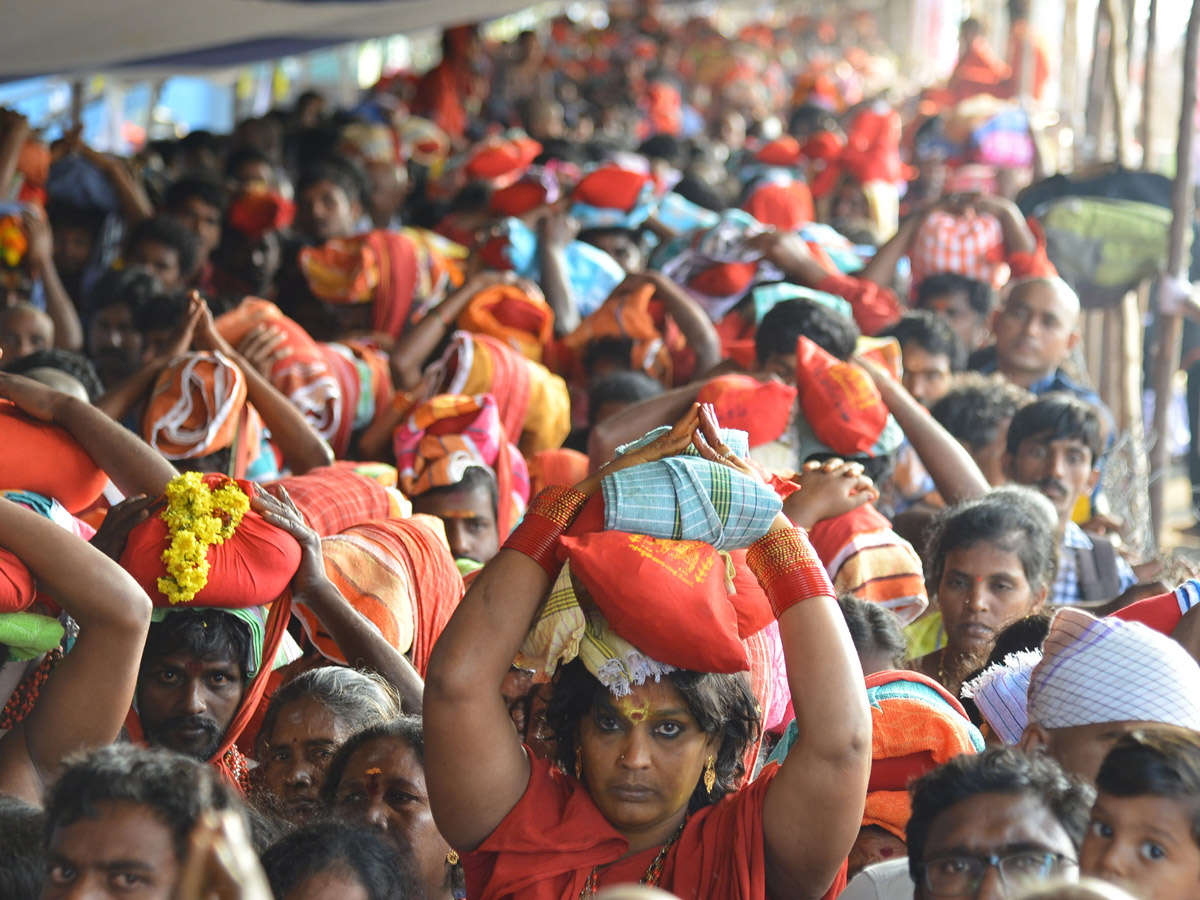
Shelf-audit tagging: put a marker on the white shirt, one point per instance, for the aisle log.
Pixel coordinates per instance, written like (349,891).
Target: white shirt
(883,881)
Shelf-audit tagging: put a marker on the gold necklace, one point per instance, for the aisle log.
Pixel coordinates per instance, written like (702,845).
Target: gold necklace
(653,873)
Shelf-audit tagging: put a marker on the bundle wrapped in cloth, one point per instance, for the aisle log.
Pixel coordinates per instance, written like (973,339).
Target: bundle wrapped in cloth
(522,319)
(332,498)
(612,197)
(46,460)
(627,316)
(400,574)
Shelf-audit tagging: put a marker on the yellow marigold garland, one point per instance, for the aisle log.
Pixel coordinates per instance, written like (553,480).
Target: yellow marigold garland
(197,517)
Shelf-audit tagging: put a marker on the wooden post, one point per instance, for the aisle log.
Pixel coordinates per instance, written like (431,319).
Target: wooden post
(1118,74)
(1149,84)
(1171,327)
(1094,105)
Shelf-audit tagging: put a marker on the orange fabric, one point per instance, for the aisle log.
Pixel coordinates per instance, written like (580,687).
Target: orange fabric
(17,589)
(333,498)
(875,307)
(556,467)
(439,98)
(554,837)
(253,568)
(760,408)
(195,407)
(46,460)
(669,599)
(839,400)
(1032,265)
(399,573)
(611,188)
(978,71)
(517,199)
(626,315)
(379,267)
(783,206)
(257,212)
(502,160)
(784,151)
(1021,37)
(523,321)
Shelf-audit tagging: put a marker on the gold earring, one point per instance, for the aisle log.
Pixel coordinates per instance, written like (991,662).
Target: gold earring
(452,858)
(579,763)
(710,775)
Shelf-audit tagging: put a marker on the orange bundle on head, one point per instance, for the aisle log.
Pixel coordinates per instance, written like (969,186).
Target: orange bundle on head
(521,319)
(379,267)
(333,498)
(669,599)
(841,404)
(257,212)
(502,160)
(759,408)
(627,316)
(46,460)
(399,574)
(782,203)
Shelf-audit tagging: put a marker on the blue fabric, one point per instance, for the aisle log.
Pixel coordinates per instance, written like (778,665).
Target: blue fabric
(691,499)
(592,272)
(767,296)
(590,216)
(680,214)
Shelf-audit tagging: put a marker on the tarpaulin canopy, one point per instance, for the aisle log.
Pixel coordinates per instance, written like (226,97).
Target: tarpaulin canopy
(62,37)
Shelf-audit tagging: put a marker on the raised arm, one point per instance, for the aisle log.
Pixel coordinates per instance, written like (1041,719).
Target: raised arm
(476,769)
(303,449)
(813,808)
(693,321)
(68,332)
(133,466)
(84,702)
(556,230)
(360,642)
(630,424)
(955,474)
(1018,236)
(882,267)
(14,131)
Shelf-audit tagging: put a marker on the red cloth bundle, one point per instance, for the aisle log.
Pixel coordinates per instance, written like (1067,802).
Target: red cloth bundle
(46,460)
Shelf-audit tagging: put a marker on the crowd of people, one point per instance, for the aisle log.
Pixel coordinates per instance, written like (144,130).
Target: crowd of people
(619,461)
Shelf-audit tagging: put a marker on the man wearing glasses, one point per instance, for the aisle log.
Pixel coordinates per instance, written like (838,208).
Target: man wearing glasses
(985,827)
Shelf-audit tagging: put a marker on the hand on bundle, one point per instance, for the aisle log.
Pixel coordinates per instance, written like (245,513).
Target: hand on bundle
(557,228)
(262,347)
(180,338)
(221,863)
(828,489)
(280,511)
(110,538)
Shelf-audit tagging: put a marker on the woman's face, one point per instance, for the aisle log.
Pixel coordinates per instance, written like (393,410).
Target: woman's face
(383,787)
(643,756)
(297,753)
(983,588)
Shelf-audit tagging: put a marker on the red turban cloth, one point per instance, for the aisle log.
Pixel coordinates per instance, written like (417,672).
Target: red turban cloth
(46,460)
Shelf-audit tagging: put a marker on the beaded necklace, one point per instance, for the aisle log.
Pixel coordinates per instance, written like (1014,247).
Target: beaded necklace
(653,873)
(22,701)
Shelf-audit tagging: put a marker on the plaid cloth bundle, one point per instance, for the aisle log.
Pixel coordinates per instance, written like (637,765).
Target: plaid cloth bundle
(971,245)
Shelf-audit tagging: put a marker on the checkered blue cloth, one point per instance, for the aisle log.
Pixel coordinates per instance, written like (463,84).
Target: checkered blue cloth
(691,499)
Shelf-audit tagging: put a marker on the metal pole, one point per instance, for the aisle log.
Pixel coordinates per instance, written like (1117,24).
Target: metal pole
(1171,327)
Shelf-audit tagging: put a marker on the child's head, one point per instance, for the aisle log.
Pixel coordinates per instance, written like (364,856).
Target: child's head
(1145,827)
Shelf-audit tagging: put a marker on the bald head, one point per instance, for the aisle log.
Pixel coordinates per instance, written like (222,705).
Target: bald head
(1036,328)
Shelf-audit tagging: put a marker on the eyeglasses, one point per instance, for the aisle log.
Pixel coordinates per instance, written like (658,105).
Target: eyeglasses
(960,876)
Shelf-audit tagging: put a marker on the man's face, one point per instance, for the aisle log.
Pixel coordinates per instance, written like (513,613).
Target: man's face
(114,343)
(993,824)
(159,260)
(186,703)
(72,249)
(926,375)
(323,212)
(387,192)
(23,332)
(956,309)
(124,852)
(471,528)
(1035,331)
(1063,470)
(202,220)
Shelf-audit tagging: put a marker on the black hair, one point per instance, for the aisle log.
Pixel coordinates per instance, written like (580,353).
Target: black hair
(701,192)
(1014,518)
(473,197)
(591,235)
(621,387)
(932,334)
(977,405)
(810,118)
(561,149)
(66,215)
(1058,417)
(873,627)
(200,141)
(665,146)
(1162,762)
(135,288)
(790,320)
(205,633)
(22,855)
(1027,633)
(357,854)
(207,189)
(475,478)
(244,155)
(176,788)
(339,171)
(168,232)
(997,770)
(357,698)
(980,296)
(723,705)
(74,364)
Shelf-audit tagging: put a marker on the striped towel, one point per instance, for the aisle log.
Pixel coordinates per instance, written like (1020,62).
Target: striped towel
(690,499)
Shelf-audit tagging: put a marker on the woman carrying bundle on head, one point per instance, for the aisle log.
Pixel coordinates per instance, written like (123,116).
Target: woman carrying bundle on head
(648,778)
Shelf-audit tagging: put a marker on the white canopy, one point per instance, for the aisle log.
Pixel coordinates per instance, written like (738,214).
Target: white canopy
(61,37)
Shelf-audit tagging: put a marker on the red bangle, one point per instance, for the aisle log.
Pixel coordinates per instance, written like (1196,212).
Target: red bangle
(550,513)
(788,569)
